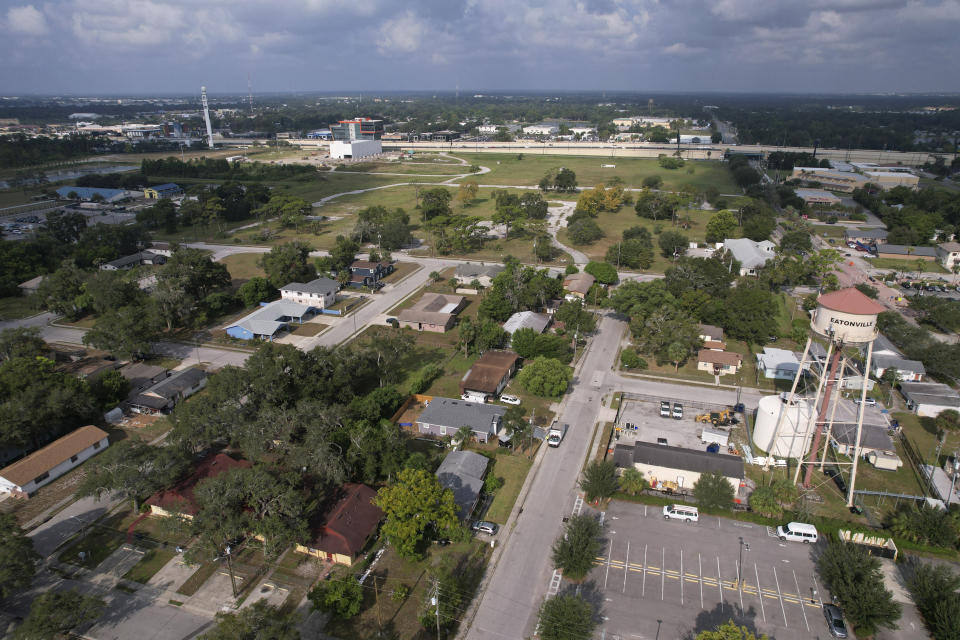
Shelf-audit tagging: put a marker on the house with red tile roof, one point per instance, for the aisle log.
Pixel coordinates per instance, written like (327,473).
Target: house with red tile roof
(178,499)
(341,530)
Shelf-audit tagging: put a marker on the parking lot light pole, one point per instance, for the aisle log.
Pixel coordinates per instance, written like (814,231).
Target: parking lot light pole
(740,563)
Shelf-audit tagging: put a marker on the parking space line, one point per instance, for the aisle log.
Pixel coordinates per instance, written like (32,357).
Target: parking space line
(681,577)
(740,584)
(700,571)
(609,556)
(780,593)
(756,572)
(626,566)
(663,572)
(719,584)
(643,588)
(802,610)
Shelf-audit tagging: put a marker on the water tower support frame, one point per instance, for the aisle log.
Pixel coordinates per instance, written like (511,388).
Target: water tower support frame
(863,402)
(833,412)
(821,416)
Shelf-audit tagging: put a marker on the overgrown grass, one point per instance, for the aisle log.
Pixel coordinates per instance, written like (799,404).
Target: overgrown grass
(152,561)
(513,469)
(17,307)
(195,581)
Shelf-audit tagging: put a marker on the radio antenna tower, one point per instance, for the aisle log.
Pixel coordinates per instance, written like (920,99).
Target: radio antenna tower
(206,115)
(250,93)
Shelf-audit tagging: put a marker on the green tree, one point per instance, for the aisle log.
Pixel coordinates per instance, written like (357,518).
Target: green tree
(288,263)
(435,203)
(599,480)
(255,290)
(934,589)
(796,241)
(418,509)
(259,621)
(57,613)
(672,244)
(678,353)
(633,482)
(584,231)
(948,420)
(652,182)
(467,192)
(341,595)
(132,469)
(630,360)
(565,180)
(576,550)
(855,579)
(713,492)
(729,631)
(62,291)
(566,617)
(545,377)
(721,226)
(21,342)
(17,558)
(604,272)
(344,252)
(127,332)
(109,389)
(764,501)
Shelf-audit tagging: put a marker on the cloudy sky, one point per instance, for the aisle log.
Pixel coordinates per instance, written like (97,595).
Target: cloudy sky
(173,46)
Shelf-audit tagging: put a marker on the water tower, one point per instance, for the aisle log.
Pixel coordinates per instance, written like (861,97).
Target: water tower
(845,318)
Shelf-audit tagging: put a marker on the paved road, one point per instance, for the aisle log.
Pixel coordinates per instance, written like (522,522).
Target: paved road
(49,535)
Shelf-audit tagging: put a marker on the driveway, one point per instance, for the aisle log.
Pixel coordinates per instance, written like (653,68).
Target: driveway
(49,535)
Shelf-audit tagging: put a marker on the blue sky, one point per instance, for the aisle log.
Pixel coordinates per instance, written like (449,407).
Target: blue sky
(173,46)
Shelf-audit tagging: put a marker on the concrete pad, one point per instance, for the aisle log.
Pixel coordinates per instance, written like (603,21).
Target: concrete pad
(120,561)
(267,591)
(910,623)
(172,575)
(216,594)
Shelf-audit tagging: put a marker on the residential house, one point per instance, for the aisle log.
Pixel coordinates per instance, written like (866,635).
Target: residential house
(142,376)
(316,294)
(577,285)
(164,395)
(162,249)
(178,500)
(719,363)
(751,255)
(904,252)
(526,320)
(865,236)
(436,312)
(166,190)
(364,273)
(929,398)
(25,476)
(445,416)
(948,254)
(661,463)
(710,333)
(30,286)
(462,472)
(134,260)
(489,375)
(873,439)
(467,272)
(907,370)
(779,364)
(817,196)
(269,319)
(341,530)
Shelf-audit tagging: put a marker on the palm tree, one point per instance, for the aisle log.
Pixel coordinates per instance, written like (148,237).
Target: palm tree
(463,436)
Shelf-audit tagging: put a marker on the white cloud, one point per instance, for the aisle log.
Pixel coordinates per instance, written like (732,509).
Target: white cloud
(26,20)
(682,49)
(402,34)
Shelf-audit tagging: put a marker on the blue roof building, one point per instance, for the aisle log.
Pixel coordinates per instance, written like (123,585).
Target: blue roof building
(87,193)
(269,319)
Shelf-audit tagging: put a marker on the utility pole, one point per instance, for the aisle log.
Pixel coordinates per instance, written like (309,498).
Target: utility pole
(233,578)
(435,601)
(376,593)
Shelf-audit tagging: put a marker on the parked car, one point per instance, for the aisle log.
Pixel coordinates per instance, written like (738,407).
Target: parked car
(483,526)
(834,620)
(509,399)
(677,411)
(870,402)
(664,409)
(681,512)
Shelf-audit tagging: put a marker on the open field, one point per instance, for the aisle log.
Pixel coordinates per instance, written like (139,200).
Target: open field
(699,174)
(243,266)
(908,265)
(441,169)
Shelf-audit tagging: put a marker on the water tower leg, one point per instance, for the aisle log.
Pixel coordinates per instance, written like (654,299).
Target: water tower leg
(863,402)
(816,399)
(833,413)
(793,390)
(817,435)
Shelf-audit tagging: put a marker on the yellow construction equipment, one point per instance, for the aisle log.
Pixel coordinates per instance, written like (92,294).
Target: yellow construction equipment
(717,418)
(704,417)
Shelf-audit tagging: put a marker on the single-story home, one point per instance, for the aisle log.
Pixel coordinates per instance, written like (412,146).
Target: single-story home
(269,319)
(436,312)
(30,286)
(364,273)
(341,529)
(751,255)
(779,364)
(166,190)
(89,193)
(178,499)
(865,236)
(25,476)
(948,254)
(873,438)
(710,333)
(907,370)
(526,320)
(714,346)
(318,294)
(161,397)
(142,376)
(484,274)
(929,398)
(445,416)
(134,260)
(661,463)
(719,363)
(162,248)
(817,196)
(490,374)
(462,472)
(577,285)
(905,252)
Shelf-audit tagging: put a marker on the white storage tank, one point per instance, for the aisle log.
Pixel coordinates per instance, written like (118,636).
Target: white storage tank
(846,315)
(796,427)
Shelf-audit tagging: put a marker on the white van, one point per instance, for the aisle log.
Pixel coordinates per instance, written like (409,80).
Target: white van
(681,512)
(797,532)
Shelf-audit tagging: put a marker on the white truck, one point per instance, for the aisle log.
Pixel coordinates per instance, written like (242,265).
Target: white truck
(556,434)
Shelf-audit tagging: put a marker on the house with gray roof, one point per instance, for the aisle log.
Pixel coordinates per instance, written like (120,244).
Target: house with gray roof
(661,463)
(929,398)
(907,370)
(751,255)
(873,438)
(133,260)
(317,294)
(444,416)
(462,472)
(467,272)
(865,236)
(902,251)
(162,396)
(269,319)
(526,320)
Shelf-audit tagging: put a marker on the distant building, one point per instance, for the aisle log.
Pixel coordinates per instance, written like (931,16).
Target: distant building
(318,294)
(750,254)
(948,254)
(166,190)
(355,150)
(357,129)
(320,134)
(541,130)
(134,260)
(492,129)
(22,478)
(87,194)
(817,196)
(843,181)
(30,286)
(700,138)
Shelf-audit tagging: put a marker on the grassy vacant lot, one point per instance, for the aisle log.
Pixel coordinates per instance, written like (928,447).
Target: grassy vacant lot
(697,173)
(17,307)
(100,541)
(243,266)
(828,230)
(152,561)
(442,170)
(309,329)
(513,469)
(908,265)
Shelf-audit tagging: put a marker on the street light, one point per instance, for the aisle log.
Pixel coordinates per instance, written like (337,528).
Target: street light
(740,562)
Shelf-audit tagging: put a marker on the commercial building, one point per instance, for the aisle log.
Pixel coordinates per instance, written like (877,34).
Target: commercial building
(269,319)
(93,193)
(889,179)
(750,254)
(719,363)
(929,398)
(492,129)
(166,190)
(489,375)
(948,254)
(700,138)
(345,524)
(355,150)
(357,129)
(462,472)
(25,476)
(905,252)
(317,294)
(445,416)
(843,181)
(541,130)
(817,196)
(436,312)
(661,463)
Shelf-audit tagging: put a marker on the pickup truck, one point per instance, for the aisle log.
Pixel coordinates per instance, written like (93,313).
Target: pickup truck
(556,434)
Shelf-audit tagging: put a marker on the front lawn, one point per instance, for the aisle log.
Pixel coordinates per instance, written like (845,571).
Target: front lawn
(152,561)
(513,468)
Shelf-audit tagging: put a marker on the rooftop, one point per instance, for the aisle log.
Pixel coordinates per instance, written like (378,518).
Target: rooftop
(677,458)
(482,418)
(728,358)
(906,250)
(267,320)
(930,393)
(952,247)
(43,460)
(433,308)
(526,320)
(884,361)
(578,282)
(321,286)
(750,254)
(462,472)
(487,372)
(179,497)
(871,437)
(712,332)
(878,234)
(850,301)
(469,270)
(347,520)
